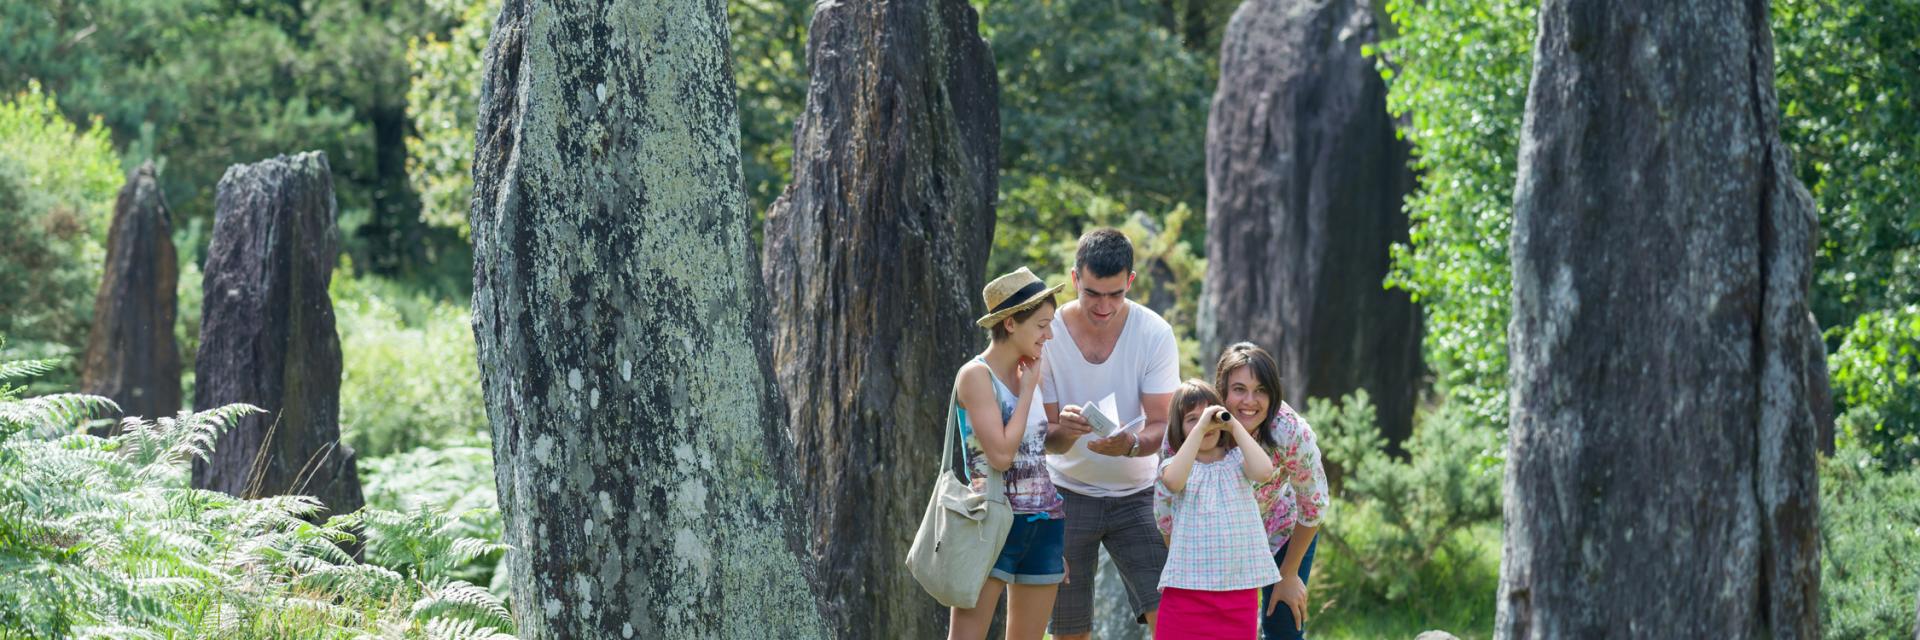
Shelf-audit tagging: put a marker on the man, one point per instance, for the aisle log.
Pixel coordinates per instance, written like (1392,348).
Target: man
(1107,345)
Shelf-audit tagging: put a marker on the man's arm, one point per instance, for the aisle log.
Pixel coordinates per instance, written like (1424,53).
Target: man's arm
(1155,407)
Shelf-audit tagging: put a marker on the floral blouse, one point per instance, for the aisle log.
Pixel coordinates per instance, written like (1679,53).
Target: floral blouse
(1295,495)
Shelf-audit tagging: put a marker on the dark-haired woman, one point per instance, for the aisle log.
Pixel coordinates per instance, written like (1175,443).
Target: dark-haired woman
(1292,500)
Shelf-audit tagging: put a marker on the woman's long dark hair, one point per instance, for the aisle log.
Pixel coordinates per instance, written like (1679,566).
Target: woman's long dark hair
(1265,371)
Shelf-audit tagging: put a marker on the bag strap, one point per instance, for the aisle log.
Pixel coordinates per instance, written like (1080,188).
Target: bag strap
(946,448)
(996,483)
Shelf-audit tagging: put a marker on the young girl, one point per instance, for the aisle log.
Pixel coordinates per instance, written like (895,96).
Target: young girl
(1005,432)
(1217,554)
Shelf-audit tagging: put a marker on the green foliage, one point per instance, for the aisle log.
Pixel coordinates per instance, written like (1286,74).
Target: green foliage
(1101,93)
(1455,591)
(57,187)
(770,58)
(769,46)
(1869,547)
(1457,75)
(1409,511)
(425,485)
(409,374)
(1848,79)
(103,537)
(1040,226)
(1876,379)
(442,102)
(199,85)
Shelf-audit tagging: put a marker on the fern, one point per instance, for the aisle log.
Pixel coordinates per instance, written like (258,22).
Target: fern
(104,538)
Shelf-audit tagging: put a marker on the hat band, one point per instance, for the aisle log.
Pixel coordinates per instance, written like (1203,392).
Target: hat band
(1019,297)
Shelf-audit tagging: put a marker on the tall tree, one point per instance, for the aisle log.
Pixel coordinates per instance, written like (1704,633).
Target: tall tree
(267,336)
(876,250)
(639,445)
(131,353)
(1305,179)
(1660,473)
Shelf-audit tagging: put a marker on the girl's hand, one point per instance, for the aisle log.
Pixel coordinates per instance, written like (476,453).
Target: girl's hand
(1234,421)
(1029,374)
(1212,425)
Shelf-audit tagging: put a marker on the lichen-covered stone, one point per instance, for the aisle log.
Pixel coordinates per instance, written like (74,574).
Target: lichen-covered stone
(267,336)
(639,441)
(1660,472)
(1305,178)
(132,356)
(874,257)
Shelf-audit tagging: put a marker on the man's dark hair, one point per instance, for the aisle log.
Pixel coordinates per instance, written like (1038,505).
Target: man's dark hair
(1104,253)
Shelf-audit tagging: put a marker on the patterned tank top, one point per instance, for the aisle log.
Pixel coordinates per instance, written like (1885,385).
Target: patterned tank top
(1030,490)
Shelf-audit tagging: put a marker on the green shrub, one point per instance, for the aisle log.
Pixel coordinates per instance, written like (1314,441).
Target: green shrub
(1876,378)
(104,537)
(1405,513)
(409,376)
(1869,547)
(57,187)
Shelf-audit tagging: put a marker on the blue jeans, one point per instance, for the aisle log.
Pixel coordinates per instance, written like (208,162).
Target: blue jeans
(1279,624)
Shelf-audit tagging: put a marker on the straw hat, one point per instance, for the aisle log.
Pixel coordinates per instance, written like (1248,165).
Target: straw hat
(1013,293)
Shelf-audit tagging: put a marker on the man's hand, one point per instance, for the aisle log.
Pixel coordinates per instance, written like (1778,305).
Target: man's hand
(1071,424)
(1117,445)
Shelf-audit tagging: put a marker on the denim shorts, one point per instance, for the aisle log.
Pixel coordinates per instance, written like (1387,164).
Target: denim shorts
(1033,552)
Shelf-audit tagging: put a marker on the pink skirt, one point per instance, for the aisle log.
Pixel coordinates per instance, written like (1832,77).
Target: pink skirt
(1187,614)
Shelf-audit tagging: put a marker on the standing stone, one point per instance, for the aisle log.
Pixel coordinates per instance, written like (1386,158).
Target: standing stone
(877,251)
(267,336)
(1305,179)
(640,445)
(132,356)
(1660,474)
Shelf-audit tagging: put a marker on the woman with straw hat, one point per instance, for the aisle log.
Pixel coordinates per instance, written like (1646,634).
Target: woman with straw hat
(1004,431)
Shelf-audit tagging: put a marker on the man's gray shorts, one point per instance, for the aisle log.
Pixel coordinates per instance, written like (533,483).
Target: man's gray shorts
(1124,524)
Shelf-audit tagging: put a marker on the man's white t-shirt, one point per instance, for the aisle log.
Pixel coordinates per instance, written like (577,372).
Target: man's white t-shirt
(1145,360)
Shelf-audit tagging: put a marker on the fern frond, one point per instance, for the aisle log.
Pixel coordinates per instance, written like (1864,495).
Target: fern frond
(23,369)
(57,413)
(465,550)
(459,600)
(452,629)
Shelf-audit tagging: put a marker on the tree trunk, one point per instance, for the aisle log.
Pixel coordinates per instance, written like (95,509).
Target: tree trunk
(131,354)
(1660,471)
(267,336)
(639,443)
(876,251)
(1304,185)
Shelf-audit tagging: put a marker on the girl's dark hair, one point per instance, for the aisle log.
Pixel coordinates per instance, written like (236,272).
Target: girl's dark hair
(1000,328)
(1192,394)
(1265,371)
